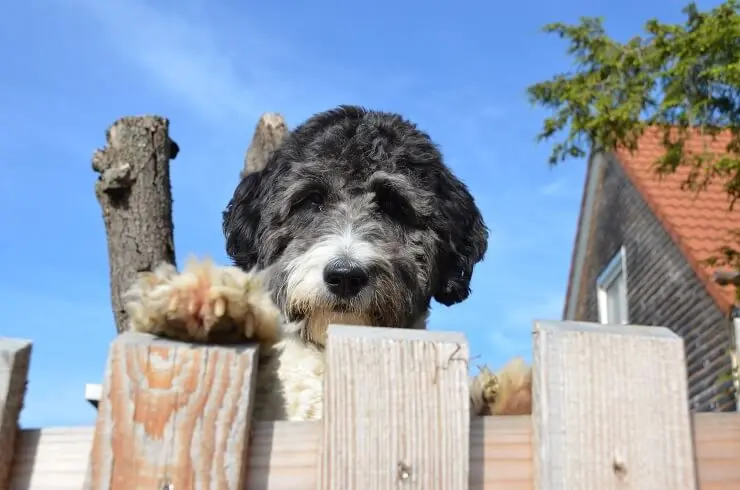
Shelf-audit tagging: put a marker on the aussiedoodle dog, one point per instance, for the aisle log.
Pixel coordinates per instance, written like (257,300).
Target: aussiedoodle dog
(355,219)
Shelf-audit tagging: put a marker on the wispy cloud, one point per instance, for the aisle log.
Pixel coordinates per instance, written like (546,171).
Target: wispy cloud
(182,55)
(563,187)
(553,188)
(191,55)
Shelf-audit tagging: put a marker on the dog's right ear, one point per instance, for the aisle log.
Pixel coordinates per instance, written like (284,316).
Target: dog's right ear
(464,242)
(241,221)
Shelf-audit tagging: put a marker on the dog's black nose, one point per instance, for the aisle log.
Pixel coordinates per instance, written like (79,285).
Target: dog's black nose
(345,278)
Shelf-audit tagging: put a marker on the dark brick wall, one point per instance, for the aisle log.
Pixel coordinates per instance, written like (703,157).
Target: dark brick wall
(662,287)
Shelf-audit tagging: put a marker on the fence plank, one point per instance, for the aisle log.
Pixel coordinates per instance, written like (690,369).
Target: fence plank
(610,408)
(15,358)
(396,410)
(173,412)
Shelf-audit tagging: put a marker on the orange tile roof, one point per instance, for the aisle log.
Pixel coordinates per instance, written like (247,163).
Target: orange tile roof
(698,223)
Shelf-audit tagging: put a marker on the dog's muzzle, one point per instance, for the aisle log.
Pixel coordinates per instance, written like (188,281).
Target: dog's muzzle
(345,278)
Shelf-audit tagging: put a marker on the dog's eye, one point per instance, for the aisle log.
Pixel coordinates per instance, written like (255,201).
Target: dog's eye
(314,199)
(396,208)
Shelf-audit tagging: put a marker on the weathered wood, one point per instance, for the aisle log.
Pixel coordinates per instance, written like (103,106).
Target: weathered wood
(610,408)
(269,133)
(283,455)
(396,410)
(15,359)
(133,190)
(173,412)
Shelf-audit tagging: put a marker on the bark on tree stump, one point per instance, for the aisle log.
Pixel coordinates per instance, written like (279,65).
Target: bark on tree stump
(268,134)
(134,192)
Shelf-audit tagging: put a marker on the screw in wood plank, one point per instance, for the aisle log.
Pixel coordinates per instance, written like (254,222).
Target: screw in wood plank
(166,484)
(404,471)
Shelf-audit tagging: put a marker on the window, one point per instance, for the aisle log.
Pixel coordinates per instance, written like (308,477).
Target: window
(611,290)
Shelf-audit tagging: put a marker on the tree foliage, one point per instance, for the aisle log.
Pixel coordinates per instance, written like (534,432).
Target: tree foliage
(677,77)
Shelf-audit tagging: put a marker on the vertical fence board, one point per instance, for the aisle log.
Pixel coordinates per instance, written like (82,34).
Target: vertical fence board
(173,412)
(610,408)
(15,358)
(397,410)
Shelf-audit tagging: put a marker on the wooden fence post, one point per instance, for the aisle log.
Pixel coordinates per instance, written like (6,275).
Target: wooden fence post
(396,410)
(610,408)
(15,358)
(173,415)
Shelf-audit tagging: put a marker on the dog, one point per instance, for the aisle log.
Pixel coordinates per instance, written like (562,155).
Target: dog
(355,219)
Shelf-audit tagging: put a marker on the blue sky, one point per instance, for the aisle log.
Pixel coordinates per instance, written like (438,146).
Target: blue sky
(71,67)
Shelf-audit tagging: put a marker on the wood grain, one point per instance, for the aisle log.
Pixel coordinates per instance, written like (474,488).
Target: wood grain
(610,408)
(284,455)
(173,412)
(717,450)
(15,358)
(396,410)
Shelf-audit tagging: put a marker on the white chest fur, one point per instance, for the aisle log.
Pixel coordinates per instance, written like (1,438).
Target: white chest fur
(290,382)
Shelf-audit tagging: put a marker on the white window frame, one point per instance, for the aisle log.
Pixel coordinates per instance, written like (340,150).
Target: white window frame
(617,265)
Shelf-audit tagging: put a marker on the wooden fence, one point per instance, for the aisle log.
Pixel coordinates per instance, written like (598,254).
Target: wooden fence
(610,412)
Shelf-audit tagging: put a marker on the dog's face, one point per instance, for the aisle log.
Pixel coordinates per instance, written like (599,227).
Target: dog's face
(357,220)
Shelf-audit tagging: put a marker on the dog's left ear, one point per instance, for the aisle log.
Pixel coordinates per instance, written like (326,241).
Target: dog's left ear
(241,221)
(464,240)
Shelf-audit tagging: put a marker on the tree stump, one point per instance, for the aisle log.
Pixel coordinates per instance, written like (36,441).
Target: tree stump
(270,131)
(133,189)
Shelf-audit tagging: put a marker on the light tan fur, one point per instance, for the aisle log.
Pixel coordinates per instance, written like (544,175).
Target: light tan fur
(209,303)
(507,393)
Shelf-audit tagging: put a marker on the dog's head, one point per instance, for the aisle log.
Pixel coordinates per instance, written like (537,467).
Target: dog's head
(359,221)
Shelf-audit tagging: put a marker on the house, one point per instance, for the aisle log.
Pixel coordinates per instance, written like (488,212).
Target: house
(639,258)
